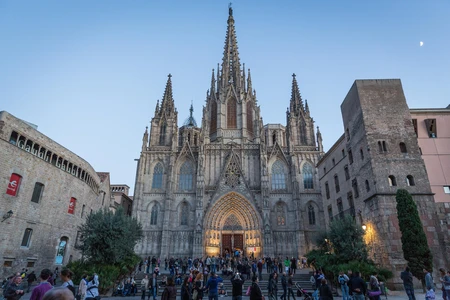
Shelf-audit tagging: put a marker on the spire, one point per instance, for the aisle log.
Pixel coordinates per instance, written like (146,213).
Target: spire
(167,104)
(319,140)
(157,108)
(231,67)
(145,139)
(190,122)
(296,98)
(213,83)
(249,81)
(306,107)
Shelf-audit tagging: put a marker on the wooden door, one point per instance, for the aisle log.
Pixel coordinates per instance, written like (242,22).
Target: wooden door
(226,243)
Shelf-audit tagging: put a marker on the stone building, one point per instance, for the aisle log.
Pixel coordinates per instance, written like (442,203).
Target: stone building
(231,182)
(46,193)
(120,198)
(378,154)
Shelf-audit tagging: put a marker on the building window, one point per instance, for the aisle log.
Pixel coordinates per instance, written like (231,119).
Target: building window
(30,264)
(361,153)
(330,212)
(348,134)
(380,147)
(154,215)
(281,214)
(311,215)
(157,176)
(403,148)
(336,183)
(392,181)
(324,170)
(447,189)
(249,117)
(278,176)
(347,174)
(384,146)
(410,180)
(367,186)
(327,190)
(343,153)
(340,207)
(350,156)
(431,127)
(308,181)
(414,122)
(186,176)
(13,138)
(355,188)
(162,134)
(14,185)
(334,162)
(26,240)
(184,214)
(213,116)
(231,113)
(351,204)
(37,192)
(61,251)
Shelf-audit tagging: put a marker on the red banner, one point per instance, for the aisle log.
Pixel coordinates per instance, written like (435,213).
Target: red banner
(72,204)
(13,185)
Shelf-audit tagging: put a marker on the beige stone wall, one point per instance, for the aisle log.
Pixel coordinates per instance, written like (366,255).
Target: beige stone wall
(49,219)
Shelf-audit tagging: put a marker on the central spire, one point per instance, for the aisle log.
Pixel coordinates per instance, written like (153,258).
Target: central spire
(231,67)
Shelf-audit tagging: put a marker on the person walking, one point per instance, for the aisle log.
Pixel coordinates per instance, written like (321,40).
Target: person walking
(343,280)
(82,287)
(273,288)
(44,286)
(291,287)
(30,279)
(325,291)
(284,286)
(13,292)
(407,278)
(170,291)
(255,290)
(144,287)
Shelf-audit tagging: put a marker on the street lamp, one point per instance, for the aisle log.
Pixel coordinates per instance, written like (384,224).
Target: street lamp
(364,227)
(7,215)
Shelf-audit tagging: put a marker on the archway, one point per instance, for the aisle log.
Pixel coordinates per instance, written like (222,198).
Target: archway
(232,223)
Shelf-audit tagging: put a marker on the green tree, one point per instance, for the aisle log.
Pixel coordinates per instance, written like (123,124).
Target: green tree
(414,241)
(109,237)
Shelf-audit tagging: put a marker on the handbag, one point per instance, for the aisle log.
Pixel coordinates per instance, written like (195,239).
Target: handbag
(249,290)
(374,293)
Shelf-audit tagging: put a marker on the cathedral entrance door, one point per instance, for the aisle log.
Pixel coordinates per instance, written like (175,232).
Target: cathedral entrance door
(232,241)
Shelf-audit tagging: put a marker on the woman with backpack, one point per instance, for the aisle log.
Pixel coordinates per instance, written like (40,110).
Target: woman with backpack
(92,292)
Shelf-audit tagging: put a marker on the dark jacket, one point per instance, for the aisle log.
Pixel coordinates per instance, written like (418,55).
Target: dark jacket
(10,292)
(170,293)
(283,282)
(407,278)
(325,292)
(272,285)
(357,286)
(185,293)
(255,292)
(237,283)
(212,285)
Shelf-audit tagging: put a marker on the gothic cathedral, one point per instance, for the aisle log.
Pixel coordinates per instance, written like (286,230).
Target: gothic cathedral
(233,182)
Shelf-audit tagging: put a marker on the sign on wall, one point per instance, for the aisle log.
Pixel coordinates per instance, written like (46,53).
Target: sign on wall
(13,185)
(72,204)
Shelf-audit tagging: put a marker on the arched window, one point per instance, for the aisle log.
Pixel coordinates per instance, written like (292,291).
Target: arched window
(410,180)
(37,192)
(213,116)
(392,181)
(26,240)
(278,176)
(380,147)
(336,183)
(311,215)
(184,214)
(347,174)
(157,176)
(403,148)
(367,186)
(186,176)
(281,215)
(154,215)
(307,171)
(162,134)
(231,113)
(61,250)
(249,117)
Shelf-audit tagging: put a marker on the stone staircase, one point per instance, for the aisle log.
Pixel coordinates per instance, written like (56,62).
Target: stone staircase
(301,277)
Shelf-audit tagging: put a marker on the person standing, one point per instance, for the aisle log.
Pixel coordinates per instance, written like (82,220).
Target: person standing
(407,278)
(185,290)
(325,291)
(374,285)
(92,288)
(170,291)
(291,287)
(144,287)
(445,281)
(255,291)
(357,287)
(343,281)
(30,279)
(13,292)
(44,286)
(284,285)
(237,282)
(212,286)
(273,288)
(66,277)
(153,286)
(260,267)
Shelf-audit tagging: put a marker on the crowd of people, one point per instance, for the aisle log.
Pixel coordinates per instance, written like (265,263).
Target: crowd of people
(14,286)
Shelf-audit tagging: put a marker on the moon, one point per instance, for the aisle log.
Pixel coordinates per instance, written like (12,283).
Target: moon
(421,43)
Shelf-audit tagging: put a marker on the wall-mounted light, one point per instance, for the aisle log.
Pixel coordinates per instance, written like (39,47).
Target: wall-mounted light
(7,215)
(364,227)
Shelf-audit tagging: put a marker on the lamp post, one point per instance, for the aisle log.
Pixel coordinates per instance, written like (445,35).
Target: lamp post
(7,215)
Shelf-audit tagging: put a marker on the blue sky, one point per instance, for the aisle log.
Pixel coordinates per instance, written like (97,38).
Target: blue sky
(88,73)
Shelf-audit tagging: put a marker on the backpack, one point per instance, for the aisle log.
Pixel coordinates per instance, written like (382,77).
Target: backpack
(72,289)
(342,280)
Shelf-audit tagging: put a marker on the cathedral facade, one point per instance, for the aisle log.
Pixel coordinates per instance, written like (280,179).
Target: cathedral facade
(232,182)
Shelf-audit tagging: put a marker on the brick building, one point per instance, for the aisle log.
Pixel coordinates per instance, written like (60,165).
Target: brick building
(48,191)
(378,154)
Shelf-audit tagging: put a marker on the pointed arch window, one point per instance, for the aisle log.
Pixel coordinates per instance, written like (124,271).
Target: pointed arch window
(186,176)
(154,215)
(232,113)
(410,180)
(59,259)
(281,214)
(249,117)
(162,134)
(184,214)
(392,181)
(307,171)
(278,176)
(157,176)
(213,116)
(311,215)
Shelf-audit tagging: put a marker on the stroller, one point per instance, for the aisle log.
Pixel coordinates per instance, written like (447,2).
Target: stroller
(303,293)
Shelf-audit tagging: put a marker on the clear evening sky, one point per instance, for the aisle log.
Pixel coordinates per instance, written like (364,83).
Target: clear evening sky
(88,73)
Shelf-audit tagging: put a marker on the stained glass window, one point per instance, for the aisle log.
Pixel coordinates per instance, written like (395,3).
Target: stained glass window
(307,171)
(281,215)
(186,176)
(311,215)
(184,213)
(157,176)
(231,113)
(154,215)
(278,176)
(213,116)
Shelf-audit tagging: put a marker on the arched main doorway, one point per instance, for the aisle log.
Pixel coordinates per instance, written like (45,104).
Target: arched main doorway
(232,223)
